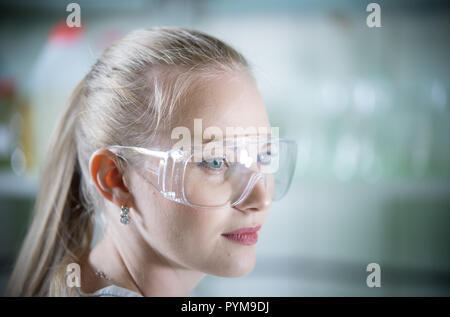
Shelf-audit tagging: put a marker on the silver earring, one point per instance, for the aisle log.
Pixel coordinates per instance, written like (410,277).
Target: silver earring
(124,217)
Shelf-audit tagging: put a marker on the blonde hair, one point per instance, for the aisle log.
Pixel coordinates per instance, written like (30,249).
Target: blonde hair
(128,97)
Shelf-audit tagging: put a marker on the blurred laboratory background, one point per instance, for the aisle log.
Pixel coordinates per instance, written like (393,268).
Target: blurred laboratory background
(368,106)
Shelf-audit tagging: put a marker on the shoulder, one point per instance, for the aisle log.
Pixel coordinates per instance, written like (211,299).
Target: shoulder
(111,291)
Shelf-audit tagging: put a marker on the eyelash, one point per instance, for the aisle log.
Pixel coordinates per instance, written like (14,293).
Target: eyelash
(205,164)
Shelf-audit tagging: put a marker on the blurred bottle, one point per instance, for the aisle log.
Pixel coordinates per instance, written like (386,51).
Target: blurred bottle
(7,108)
(15,130)
(61,64)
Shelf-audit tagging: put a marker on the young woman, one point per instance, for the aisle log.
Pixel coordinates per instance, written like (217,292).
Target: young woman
(168,217)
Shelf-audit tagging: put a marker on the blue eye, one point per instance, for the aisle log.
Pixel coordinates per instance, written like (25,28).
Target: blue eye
(214,163)
(265,157)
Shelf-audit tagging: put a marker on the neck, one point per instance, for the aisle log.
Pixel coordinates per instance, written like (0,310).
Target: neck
(130,262)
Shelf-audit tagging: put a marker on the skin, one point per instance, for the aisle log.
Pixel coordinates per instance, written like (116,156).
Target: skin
(169,247)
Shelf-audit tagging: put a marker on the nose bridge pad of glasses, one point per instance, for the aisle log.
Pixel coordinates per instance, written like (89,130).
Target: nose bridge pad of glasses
(246,152)
(253,180)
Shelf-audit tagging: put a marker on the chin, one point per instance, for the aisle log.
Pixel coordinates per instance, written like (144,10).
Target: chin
(237,268)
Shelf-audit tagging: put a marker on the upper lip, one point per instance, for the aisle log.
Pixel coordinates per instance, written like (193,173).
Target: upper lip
(245,230)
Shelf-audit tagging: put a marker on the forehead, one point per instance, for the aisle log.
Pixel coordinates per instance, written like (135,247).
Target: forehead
(230,103)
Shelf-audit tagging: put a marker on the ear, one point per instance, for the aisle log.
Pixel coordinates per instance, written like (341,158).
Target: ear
(108,178)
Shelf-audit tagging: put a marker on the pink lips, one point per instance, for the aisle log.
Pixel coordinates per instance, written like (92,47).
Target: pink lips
(246,236)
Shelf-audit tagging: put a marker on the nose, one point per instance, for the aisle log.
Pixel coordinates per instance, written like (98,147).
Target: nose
(258,199)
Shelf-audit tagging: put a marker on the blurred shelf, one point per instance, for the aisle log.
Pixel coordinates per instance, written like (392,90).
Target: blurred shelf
(14,186)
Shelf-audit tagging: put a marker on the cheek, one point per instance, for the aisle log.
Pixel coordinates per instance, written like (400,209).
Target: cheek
(191,237)
(199,229)
(179,231)
(205,189)
(201,246)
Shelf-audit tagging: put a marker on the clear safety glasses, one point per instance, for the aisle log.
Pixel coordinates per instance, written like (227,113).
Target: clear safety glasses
(218,173)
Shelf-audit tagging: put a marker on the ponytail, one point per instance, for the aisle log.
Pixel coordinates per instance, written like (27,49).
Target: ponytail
(61,229)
